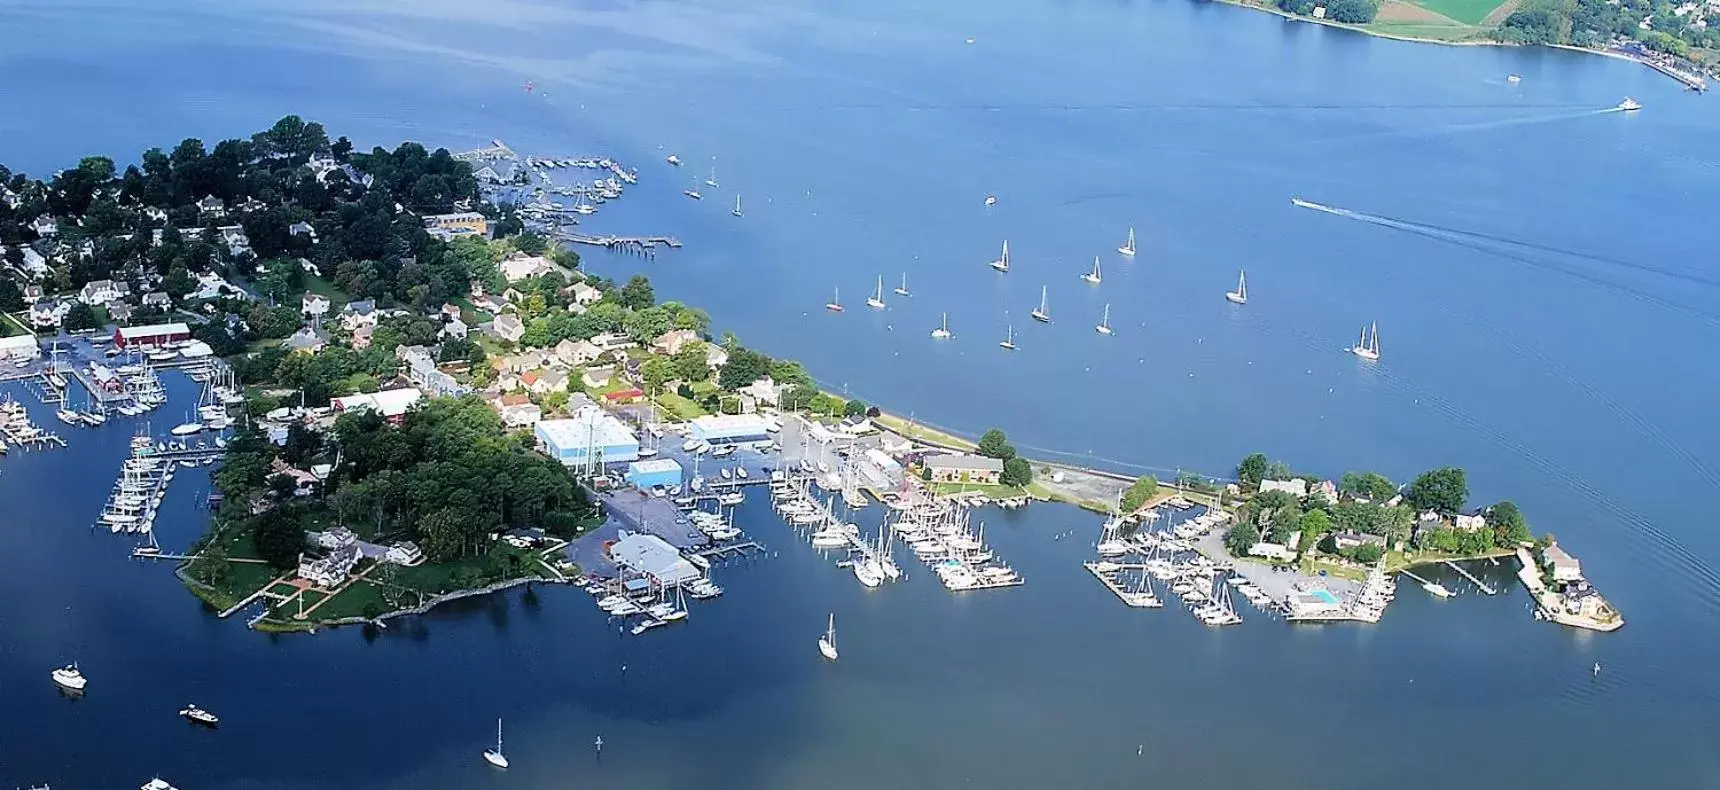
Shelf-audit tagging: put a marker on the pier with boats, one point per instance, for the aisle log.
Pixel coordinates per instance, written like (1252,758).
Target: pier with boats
(1156,544)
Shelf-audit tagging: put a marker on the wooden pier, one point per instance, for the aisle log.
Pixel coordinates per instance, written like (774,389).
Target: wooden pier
(1138,600)
(732,549)
(1471,577)
(623,242)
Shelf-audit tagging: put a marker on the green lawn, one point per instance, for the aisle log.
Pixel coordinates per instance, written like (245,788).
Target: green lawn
(1470,12)
(993,491)
(351,602)
(1431,31)
(682,408)
(922,433)
(336,297)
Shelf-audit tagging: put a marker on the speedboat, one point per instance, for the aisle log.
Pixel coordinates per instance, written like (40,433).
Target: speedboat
(727,473)
(673,159)
(67,416)
(1629,105)
(741,472)
(1513,78)
(70,678)
(726,449)
(197,715)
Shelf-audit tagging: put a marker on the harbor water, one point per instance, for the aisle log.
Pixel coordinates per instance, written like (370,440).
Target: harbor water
(1533,261)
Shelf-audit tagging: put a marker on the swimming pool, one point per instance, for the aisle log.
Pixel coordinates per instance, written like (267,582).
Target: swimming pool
(1325,596)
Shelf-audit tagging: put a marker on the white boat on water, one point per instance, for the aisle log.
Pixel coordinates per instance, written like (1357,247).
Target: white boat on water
(876,300)
(829,538)
(725,450)
(1104,327)
(1128,248)
(835,303)
(690,445)
(1042,313)
(70,677)
(1002,263)
(727,473)
(902,290)
(1437,590)
(67,416)
(158,783)
(712,181)
(673,159)
(494,756)
(1093,276)
(1629,105)
(693,192)
(737,209)
(197,715)
(868,572)
(186,429)
(1368,346)
(1240,295)
(827,642)
(1008,341)
(943,330)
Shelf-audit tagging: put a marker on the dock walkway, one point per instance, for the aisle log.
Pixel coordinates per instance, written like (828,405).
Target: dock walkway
(1472,577)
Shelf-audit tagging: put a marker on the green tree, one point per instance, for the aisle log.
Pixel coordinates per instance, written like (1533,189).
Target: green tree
(11,297)
(1368,485)
(1240,538)
(443,534)
(1508,525)
(81,316)
(1144,488)
(531,243)
(178,282)
(1443,490)
(744,367)
(637,294)
(1366,553)
(1314,525)
(854,408)
(656,371)
(279,538)
(993,444)
(1252,469)
(1016,472)
(689,363)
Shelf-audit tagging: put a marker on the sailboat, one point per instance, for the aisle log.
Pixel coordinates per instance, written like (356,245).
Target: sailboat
(1240,295)
(737,209)
(1093,276)
(876,300)
(943,330)
(1104,327)
(693,192)
(1008,341)
(1128,247)
(494,756)
(827,642)
(712,181)
(1002,263)
(1042,313)
(835,303)
(1368,346)
(902,290)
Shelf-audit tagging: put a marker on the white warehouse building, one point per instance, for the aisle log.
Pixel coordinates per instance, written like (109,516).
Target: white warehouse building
(730,428)
(590,436)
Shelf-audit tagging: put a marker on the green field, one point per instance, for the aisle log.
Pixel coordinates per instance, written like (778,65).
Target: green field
(1471,12)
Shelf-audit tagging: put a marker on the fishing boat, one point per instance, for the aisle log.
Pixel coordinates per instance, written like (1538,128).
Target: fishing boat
(835,303)
(674,160)
(1002,262)
(1104,327)
(1240,295)
(1128,248)
(1093,276)
(1042,313)
(1008,341)
(1368,346)
(827,642)
(902,290)
(494,756)
(712,181)
(943,330)
(197,715)
(1629,105)
(737,209)
(876,300)
(70,678)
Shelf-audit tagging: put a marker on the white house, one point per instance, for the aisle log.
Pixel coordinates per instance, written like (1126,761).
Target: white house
(525,266)
(314,305)
(49,312)
(44,225)
(574,353)
(521,415)
(406,553)
(1565,567)
(330,571)
(97,292)
(508,326)
(1296,486)
(585,295)
(455,329)
(670,342)
(303,229)
(212,206)
(34,263)
(1470,520)
(764,392)
(1271,551)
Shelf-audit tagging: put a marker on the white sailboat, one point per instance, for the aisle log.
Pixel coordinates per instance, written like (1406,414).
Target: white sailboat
(1008,342)
(737,209)
(876,300)
(1093,276)
(1002,263)
(835,303)
(1128,248)
(827,642)
(1042,313)
(1104,327)
(902,290)
(494,756)
(1240,295)
(943,330)
(1368,346)
(693,192)
(712,181)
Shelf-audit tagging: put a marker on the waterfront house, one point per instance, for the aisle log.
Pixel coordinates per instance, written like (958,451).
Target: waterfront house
(610,341)
(1325,489)
(157,300)
(1295,486)
(49,312)
(211,206)
(508,327)
(963,468)
(456,329)
(97,292)
(314,306)
(406,553)
(333,570)
(574,353)
(307,340)
(1429,519)
(670,342)
(333,538)
(584,294)
(119,312)
(1565,567)
(1472,520)
(522,267)
(1344,541)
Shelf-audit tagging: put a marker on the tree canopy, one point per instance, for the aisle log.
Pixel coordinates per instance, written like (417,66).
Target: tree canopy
(1443,490)
(1144,488)
(993,444)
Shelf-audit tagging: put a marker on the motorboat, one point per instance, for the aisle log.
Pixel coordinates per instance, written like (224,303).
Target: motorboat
(673,159)
(741,472)
(197,715)
(67,416)
(990,200)
(1437,590)
(494,756)
(1513,78)
(70,678)
(645,625)
(1629,105)
(827,642)
(727,473)
(690,445)
(829,538)
(158,783)
(186,429)
(727,449)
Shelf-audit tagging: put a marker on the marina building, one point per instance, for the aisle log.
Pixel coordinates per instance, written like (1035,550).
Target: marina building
(1295,486)
(151,335)
(730,428)
(588,438)
(650,472)
(457,224)
(391,404)
(653,557)
(19,347)
(961,468)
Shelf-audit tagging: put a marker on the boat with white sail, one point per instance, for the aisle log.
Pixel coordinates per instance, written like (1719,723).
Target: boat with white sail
(1092,277)
(1008,341)
(1240,295)
(835,303)
(1042,313)
(1002,262)
(1368,346)
(494,756)
(1104,327)
(1128,248)
(737,209)
(827,642)
(943,330)
(902,290)
(876,300)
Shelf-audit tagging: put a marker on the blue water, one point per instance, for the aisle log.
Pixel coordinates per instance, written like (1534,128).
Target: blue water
(865,139)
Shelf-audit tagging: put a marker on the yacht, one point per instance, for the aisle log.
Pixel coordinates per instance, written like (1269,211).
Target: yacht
(67,416)
(737,209)
(876,300)
(1629,105)
(186,429)
(494,756)
(674,160)
(1093,276)
(829,538)
(1002,263)
(827,642)
(741,472)
(725,450)
(69,678)
(693,192)
(690,445)
(868,572)
(1104,327)
(1368,347)
(1240,295)
(1128,248)
(902,290)
(645,625)
(943,330)
(158,783)
(727,473)
(1042,313)
(1008,341)
(835,303)
(197,715)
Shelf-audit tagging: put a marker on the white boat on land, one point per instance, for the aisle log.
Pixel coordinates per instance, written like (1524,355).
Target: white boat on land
(1104,327)
(835,303)
(1002,263)
(943,330)
(1042,313)
(1240,295)
(827,642)
(69,677)
(494,756)
(902,290)
(197,715)
(737,209)
(1092,277)
(1128,248)
(1008,341)
(876,300)
(1368,347)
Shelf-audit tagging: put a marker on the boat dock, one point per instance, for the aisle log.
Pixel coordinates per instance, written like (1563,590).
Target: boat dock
(1106,572)
(614,242)
(730,550)
(16,429)
(1472,577)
